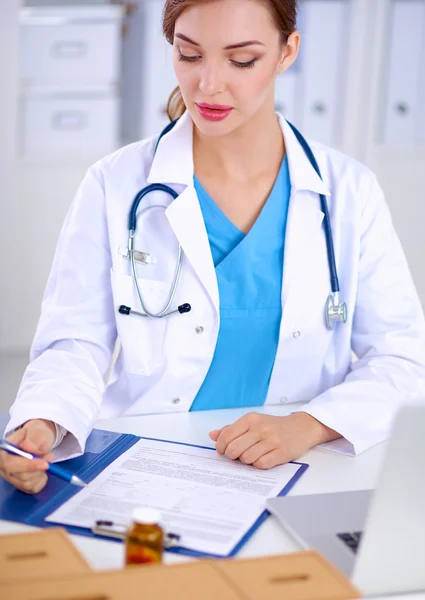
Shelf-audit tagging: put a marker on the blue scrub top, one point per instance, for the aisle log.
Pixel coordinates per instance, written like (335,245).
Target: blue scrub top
(249,274)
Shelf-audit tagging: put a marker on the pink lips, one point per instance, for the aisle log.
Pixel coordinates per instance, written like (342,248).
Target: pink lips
(214,112)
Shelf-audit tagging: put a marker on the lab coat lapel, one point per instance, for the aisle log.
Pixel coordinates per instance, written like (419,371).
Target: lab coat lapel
(306,270)
(173,164)
(305,255)
(173,160)
(186,220)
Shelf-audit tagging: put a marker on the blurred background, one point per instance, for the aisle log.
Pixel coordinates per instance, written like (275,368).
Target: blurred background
(79,79)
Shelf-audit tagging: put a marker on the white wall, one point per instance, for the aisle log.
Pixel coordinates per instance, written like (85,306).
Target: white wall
(399,168)
(10,285)
(44,192)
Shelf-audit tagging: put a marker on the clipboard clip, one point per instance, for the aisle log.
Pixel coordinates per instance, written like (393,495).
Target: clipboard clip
(118,531)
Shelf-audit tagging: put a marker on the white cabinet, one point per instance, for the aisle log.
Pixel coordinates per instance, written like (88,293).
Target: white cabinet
(63,46)
(69,122)
(404,74)
(70,75)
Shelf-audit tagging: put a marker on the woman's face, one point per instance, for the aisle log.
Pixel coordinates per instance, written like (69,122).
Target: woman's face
(226,56)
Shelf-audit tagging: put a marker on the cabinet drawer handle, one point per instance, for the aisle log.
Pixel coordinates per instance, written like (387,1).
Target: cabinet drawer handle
(280,107)
(402,108)
(69,49)
(320,108)
(68,120)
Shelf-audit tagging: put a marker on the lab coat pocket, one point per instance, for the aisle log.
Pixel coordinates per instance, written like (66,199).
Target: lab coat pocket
(141,338)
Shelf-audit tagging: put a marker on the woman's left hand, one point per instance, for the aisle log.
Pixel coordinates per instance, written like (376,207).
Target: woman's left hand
(265,441)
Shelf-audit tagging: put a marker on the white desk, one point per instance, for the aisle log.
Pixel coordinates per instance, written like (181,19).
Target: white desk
(328,472)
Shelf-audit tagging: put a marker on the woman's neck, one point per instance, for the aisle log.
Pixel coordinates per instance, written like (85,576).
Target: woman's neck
(243,155)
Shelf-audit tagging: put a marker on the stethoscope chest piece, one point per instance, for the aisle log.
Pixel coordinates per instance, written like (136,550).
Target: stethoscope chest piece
(336,311)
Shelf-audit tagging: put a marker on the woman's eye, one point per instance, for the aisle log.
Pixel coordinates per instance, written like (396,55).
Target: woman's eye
(186,58)
(236,63)
(245,65)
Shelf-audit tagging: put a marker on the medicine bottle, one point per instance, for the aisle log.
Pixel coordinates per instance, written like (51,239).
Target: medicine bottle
(145,538)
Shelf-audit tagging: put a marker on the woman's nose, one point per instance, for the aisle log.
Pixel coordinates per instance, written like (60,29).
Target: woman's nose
(211,81)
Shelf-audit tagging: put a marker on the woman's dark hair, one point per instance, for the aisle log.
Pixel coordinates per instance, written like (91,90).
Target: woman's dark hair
(284,13)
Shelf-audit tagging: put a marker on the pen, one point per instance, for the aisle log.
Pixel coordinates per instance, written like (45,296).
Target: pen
(53,469)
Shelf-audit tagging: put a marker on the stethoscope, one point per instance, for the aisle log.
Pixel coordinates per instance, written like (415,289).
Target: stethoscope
(335,311)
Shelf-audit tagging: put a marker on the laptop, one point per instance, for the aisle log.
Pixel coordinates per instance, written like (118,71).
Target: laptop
(377,538)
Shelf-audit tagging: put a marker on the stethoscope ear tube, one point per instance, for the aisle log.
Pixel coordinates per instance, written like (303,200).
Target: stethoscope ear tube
(126,310)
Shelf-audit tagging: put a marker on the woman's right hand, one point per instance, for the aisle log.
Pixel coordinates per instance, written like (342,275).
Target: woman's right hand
(37,437)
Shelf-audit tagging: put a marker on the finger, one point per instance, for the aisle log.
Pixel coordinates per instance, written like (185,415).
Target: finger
(36,442)
(255,452)
(32,486)
(17,436)
(25,478)
(17,464)
(241,444)
(270,460)
(33,437)
(20,478)
(231,432)
(214,434)
(39,484)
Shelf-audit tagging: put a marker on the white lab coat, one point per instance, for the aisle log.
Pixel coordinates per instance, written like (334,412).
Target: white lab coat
(163,362)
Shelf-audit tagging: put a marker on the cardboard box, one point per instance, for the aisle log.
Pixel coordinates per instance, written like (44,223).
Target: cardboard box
(304,575)
(39,555)
(298,576)
(188,581)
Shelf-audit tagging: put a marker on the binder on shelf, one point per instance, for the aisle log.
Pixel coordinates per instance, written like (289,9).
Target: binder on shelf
(324,26)
(102,448)
(401,93)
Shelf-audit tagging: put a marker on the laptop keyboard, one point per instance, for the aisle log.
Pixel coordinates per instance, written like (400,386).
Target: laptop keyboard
(352,540)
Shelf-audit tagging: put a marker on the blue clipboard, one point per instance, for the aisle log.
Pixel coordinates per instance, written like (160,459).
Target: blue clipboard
(102,448)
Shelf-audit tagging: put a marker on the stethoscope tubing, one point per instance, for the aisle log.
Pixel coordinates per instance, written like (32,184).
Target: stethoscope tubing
(324,206)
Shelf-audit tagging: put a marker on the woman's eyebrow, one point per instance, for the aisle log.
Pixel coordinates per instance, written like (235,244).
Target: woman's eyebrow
(230,47)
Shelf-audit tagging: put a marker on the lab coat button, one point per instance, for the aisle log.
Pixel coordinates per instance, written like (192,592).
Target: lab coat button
(296,334)
(199,329)
(283,400)
(176,401)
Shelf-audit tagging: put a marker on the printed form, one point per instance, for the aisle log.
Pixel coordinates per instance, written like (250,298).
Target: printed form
(210,500)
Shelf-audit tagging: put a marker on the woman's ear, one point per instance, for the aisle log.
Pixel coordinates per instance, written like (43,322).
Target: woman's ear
(289,52)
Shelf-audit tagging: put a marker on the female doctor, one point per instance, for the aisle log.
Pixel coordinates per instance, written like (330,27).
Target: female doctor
(256,271)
